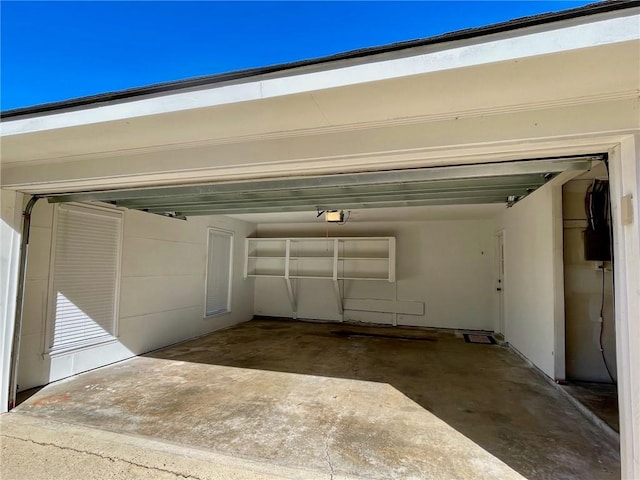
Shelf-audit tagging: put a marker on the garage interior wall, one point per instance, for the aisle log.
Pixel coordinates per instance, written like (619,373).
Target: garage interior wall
(161,291)
(583,295)
(531,249)
(446,265)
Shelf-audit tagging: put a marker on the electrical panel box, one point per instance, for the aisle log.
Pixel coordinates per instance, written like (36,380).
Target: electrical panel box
(597,245)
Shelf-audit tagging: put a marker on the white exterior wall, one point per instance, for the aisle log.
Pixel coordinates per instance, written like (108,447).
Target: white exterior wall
(447,265)
(530,251)
(161,292)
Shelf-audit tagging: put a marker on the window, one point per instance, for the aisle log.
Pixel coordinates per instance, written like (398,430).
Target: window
(219,272)
(85,263)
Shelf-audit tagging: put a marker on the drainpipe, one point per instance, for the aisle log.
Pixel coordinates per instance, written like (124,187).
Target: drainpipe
(22,276)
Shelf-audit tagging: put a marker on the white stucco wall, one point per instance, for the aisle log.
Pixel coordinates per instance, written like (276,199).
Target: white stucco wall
(161,292)
(447,265)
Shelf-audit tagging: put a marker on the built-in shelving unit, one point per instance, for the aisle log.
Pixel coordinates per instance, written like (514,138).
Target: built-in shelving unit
(265,258)
(335,259)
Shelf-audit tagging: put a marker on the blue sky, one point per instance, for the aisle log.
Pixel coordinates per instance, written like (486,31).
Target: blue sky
(52,51)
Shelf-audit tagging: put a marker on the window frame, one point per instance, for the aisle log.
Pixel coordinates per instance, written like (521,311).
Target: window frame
(48,337)
(211,231)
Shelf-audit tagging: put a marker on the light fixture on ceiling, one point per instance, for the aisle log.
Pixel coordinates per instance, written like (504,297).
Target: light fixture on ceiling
(334,216)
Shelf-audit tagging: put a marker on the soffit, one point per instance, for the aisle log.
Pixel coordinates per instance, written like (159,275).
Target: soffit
(536,23)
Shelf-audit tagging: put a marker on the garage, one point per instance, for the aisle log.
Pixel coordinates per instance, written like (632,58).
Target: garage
(308,261)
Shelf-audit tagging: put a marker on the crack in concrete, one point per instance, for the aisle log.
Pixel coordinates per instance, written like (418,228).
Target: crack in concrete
(105,457)
(326,453)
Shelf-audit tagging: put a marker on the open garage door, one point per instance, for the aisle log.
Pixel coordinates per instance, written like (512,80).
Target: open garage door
(489,183)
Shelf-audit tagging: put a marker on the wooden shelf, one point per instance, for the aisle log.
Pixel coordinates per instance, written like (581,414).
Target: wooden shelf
(320,258)
(361,278)
(317,277)
(369,258)
(364,258)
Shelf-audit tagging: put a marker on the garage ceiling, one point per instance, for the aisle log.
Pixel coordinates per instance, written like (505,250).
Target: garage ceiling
(503,182)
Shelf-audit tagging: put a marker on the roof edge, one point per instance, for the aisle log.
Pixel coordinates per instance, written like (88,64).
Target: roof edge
(201,81)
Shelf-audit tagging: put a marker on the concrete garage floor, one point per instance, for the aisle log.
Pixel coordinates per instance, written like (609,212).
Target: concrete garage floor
(303,397)
(601,399)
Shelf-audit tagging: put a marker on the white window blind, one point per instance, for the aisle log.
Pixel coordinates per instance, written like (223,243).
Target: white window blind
(220,251)
(85,276)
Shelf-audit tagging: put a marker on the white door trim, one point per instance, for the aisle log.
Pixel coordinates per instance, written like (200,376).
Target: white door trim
(624,179)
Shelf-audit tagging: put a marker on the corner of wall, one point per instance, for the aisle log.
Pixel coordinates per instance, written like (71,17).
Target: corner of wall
(530,309)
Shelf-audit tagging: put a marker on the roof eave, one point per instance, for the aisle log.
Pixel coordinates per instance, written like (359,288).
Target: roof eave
(204,81)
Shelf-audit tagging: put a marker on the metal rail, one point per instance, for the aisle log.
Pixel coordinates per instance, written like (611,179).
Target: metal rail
(22,276)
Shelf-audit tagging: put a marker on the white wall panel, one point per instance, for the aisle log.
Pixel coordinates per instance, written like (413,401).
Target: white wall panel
(529,290)
(35,306)
(146,257)
(62,366)
(39,246)
(161,228)
(34,367)
(140,295)
(150,331)
(368,317)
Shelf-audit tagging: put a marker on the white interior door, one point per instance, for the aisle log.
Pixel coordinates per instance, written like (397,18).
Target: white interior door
(499,286)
